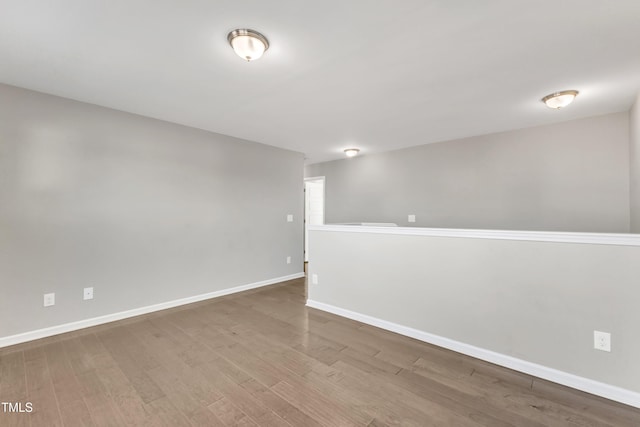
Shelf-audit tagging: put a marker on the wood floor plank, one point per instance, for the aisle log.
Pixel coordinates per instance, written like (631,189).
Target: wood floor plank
(204,417)
(230,414)
(345,335)
(133,360)
(524,401)
(179,393)
(365,402)
(281,407)
(166,414)
(292,368)
(124,395)
(415,407)
(189,350)
(78,356)
(103,411)
(256,367)
(367,363)
(316,406)
(263,358)
(76,413)
(73,409)
(461,400)
(599,408)
(240,397)
(173,367)
(13,388)
(40,389)
(14,419)
(99,356)
(63,376)
(13,380)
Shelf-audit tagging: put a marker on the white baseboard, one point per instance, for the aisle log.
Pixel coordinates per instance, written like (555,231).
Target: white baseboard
(94,321)
(597,388)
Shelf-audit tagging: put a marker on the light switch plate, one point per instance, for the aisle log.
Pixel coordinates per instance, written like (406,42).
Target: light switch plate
(314,279)
(288,260)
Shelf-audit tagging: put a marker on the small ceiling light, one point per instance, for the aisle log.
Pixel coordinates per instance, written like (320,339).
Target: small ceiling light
(248,44)
(560,99)
(351,152)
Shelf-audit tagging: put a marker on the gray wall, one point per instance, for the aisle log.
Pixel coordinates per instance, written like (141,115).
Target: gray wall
(634,151)
(144,211)
(572,176)
(536,301)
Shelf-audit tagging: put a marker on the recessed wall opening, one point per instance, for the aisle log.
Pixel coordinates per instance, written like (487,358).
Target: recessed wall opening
(313,207)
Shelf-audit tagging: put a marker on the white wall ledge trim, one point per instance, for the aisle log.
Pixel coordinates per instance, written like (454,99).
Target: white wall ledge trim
(94,321)
(619,239)
(597,388)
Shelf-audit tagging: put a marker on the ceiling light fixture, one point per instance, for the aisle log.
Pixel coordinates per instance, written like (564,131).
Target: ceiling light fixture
(248,44)
(351,152)
(560,99)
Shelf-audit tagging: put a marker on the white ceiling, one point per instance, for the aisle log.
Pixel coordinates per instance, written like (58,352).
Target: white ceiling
(378,75)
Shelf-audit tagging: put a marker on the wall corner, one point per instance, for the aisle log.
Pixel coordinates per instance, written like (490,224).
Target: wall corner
(634,166)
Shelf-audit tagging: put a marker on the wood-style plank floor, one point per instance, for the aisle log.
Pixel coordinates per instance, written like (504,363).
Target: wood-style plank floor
(263,358)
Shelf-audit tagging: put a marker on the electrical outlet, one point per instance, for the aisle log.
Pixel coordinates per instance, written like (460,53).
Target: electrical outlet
(314,279)
(602,341)
(49,299)
(290,218)
(411,218)
(87,294)
(288,260)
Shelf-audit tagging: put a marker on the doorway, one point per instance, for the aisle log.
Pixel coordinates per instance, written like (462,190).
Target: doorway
(313,207)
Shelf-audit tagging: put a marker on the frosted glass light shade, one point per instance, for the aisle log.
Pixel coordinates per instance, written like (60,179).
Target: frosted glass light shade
(560,99)
(248,44)
(351,152)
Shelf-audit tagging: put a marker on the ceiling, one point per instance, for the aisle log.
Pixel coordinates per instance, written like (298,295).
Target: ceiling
(378,75)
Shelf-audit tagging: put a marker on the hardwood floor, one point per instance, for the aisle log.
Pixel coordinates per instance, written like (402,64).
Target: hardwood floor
(263,358)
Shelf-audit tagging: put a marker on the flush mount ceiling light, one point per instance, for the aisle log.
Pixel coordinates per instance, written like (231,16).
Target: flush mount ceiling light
(560,99)
(351,152)
(248,44)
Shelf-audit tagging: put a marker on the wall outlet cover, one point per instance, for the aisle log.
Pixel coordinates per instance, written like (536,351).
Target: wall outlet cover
(49,299)
(602,340)
(411,218)
(87,293)
(288,260)
(290,218)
